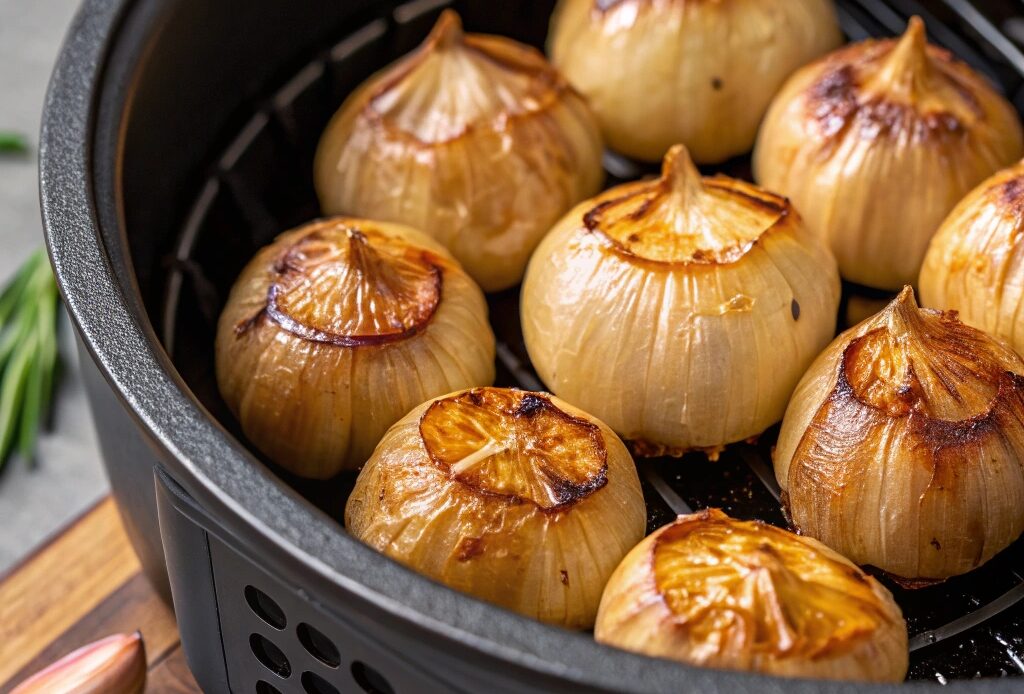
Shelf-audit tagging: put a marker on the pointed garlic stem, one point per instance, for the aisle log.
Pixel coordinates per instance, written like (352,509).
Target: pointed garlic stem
(472,460)
(447,32)
(903,310)
(685,185)
(907,69)
(359,251)
(681,175)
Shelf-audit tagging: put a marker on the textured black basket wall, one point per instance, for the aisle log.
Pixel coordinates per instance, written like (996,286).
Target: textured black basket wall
(198,148)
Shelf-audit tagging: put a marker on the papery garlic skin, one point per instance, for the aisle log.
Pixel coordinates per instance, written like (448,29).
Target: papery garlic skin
(338,328)
(975,263)
(877,142)
(659,72)
(113,665)
(681,311)
(474,139)
(716,592)
(517,498)
(902,447)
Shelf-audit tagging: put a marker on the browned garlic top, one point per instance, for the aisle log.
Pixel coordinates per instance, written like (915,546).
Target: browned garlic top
(896,88)
(516,444)
(682,218)
(346,286)
(753,586)
(951,379)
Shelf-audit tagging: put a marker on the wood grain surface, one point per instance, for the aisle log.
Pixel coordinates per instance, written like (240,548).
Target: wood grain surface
(82,585)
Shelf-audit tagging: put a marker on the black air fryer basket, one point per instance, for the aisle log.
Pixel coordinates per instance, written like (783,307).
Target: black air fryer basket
(177,139)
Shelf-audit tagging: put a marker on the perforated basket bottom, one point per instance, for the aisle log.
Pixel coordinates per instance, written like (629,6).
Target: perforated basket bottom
(971,626)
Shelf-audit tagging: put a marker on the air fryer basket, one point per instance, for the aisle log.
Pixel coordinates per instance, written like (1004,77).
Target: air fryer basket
(178,138)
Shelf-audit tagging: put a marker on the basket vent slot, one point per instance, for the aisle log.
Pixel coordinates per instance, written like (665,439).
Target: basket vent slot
(270,656)
(371,681)
(265,608)
(318,645)
(315,684)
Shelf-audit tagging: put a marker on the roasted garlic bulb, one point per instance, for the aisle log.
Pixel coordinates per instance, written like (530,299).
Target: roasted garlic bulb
(658,72)
(514,497)
(474,139)
(876,143)
(336,330)
(975,263)
(717,592)
(681,311)
(903,446)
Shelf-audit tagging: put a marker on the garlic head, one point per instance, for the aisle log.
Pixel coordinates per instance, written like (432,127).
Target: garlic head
(474,139)
(658,72)
(902,447)
(877,142)
(717,592)
(514,497)
(338,328)
(975,263)
(681,311)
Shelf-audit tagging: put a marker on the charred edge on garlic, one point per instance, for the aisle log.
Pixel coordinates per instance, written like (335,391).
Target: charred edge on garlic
(837,102)
(936,434)
(505,54)
(601,215)
(944,446)
(248,324)
(685,526)
(1009,196)
(293,263)
(566,492)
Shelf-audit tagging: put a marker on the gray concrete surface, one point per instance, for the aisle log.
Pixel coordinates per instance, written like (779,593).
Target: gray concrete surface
(35,502)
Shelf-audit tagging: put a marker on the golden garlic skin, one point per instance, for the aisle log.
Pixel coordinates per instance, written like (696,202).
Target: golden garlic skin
(877,142)
(681,311)
(717,592)
(659,72)
(975,263)
(474,139)
(902,447)
(517,498)
(336,330)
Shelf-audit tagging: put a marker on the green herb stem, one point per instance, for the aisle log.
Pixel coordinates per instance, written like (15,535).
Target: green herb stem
(13,143)
(28,355)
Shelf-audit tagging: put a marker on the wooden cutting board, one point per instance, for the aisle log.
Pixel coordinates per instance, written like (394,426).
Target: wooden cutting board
(83,584)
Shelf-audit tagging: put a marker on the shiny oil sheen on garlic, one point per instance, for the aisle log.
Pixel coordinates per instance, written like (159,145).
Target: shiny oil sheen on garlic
(902,445)
(474,139)
(877,142)
(681,311)
(336,330)
(975,263)
(511,496)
